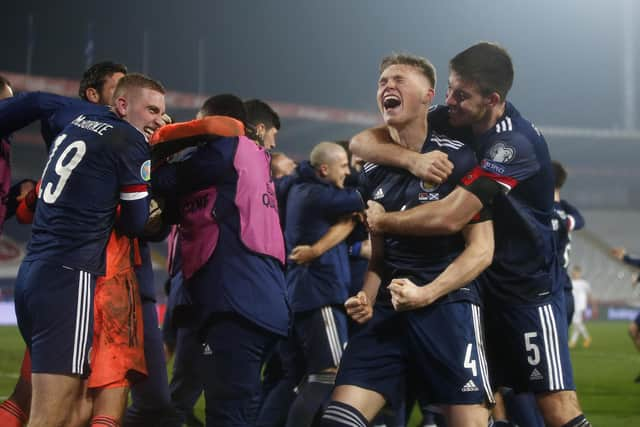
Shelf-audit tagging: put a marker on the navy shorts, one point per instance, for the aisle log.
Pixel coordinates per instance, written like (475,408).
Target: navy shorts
(321,334)
(527,345)
(54,308)
(441,347)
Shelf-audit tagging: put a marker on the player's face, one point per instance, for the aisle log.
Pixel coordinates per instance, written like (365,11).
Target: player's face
(338,169)
(269,138)
(404,94)
(144,110)
(108,87)
(466,103)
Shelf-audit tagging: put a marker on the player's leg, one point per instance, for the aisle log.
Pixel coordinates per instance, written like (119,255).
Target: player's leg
(447,351)
(14,412)
(186,380)
(276,403)
(634,332)
(60,339)
(372,371)
(233,354)
(53,400)
(322,334)
(109,404)
(150,397)
(535,339)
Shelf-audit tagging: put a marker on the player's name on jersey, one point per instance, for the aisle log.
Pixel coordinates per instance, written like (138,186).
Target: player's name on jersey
(98,127)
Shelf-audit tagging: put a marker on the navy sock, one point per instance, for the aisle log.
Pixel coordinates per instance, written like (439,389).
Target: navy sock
(310,402)
(340,414)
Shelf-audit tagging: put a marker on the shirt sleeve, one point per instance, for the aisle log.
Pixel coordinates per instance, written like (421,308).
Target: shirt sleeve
(134,169)
(337,202)
(575,219)
(508,160)
(21,110)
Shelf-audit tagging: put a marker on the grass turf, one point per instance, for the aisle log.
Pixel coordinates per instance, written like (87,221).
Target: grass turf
(604,374)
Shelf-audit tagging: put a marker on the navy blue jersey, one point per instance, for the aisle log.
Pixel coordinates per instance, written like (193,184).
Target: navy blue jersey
(54,112)
(566,218)
(312,207)
(419,258)
(514,154)
(94,163)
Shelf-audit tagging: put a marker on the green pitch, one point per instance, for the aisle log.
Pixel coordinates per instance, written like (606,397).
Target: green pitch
(604,374)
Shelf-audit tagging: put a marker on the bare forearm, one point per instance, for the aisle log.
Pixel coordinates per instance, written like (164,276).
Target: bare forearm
(375,145)
(475,258)
(446,216)
(336,234)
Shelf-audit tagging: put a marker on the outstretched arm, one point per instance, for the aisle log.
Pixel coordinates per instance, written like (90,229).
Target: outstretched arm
(376,145)
(477,256)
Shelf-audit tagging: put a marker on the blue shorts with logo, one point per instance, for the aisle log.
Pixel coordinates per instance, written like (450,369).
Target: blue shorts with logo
(440,346)
(321,334)
(527,345)
(54,308)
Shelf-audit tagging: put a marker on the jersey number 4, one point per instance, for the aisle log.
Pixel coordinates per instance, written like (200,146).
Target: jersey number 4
(66,163)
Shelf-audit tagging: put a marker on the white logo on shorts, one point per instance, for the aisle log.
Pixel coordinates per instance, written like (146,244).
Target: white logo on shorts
(536,375)
(206,351)
(470,386)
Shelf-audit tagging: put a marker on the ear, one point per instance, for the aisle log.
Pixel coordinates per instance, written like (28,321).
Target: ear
(428,96)
(494,99)
(261,129)
(92,95)
(324,170)
(121,106)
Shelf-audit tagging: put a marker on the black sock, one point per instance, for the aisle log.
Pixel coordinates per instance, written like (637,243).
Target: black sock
(340,414)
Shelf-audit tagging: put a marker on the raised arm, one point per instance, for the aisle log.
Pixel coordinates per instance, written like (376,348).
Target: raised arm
(476,257)
(375,145)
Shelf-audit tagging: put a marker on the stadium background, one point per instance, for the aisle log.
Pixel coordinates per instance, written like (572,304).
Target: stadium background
(317,62)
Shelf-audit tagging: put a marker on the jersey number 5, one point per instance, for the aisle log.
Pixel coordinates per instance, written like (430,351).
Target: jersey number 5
(50,191)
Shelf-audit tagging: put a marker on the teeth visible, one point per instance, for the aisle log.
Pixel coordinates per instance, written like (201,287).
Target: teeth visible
(391,101)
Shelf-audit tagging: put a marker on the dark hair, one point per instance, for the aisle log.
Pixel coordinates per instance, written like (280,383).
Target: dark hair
(486,64)
(559,174)
(224,105)
(260,112)
(5,82)
(418,62)
(97,74)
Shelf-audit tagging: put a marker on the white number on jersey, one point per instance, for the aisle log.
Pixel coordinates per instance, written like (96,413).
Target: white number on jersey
(534,358)
(49,191)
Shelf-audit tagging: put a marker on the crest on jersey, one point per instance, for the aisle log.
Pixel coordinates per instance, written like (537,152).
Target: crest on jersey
(428,186)
(145,170)
(502,153)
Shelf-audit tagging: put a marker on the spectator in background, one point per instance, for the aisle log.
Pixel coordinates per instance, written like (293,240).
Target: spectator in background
(634,327)
(582,299)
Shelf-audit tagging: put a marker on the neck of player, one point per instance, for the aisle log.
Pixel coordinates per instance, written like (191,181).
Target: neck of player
(410,135)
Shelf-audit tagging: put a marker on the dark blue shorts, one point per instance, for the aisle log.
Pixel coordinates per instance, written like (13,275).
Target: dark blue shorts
(441,347)
(527,346)
(321,335)
(54,307)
